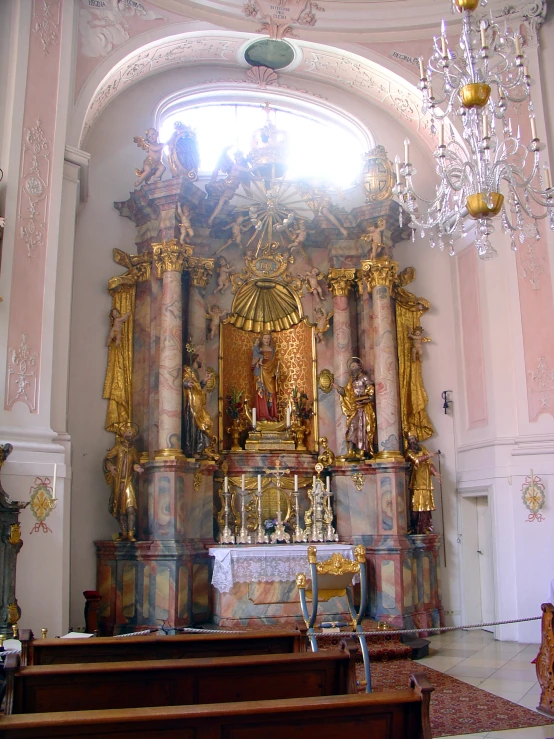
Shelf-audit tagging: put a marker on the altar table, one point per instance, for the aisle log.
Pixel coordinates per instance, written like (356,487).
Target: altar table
(257,584)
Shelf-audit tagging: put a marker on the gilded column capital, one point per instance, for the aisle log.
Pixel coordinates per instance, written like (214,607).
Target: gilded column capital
(200,271)
(382,272)
(341,281)
(171,256)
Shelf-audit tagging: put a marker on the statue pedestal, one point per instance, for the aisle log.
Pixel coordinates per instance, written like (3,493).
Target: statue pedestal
(270,441)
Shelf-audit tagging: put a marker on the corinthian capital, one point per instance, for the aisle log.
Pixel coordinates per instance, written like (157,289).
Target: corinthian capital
(341,281)
(382,272)
(170,256)
(200,271)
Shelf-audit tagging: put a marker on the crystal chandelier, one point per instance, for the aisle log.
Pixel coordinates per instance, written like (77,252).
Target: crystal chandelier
(476,83)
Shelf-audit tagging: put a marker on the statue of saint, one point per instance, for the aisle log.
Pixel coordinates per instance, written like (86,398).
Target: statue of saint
(198,438)
(356,399)
(421,485)
(266,372)
(120,465)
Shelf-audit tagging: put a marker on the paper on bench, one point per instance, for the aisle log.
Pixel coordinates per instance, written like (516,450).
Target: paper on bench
(76,635)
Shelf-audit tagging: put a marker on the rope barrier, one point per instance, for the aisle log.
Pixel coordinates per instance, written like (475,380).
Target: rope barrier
(379,632)
(136,633)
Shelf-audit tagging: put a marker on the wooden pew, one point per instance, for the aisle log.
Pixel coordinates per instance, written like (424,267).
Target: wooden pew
(178,682)
(398,714)
(180,646)
(545,661)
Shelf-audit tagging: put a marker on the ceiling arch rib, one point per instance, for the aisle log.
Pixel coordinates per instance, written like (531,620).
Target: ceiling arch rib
(338,67)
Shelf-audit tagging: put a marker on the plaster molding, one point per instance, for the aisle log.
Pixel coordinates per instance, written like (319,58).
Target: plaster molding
(34,187)
(21,379)
(541,382)
(82,160)
(46,23)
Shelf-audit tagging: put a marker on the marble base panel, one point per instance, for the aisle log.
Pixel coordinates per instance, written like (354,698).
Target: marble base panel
(152,583)
(269,603)
(404,580)
(355,495)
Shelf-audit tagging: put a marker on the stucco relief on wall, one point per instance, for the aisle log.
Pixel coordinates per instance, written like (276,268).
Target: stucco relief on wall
(46,22)
(542,385)
(22,375)
(278,18)
(104,24)
(34,187)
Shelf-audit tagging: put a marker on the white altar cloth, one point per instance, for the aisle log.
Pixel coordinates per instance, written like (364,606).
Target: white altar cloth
(267,563)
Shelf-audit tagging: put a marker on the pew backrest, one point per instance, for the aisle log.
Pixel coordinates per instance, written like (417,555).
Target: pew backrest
(398,714)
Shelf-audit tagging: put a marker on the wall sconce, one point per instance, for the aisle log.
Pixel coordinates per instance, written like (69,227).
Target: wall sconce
(447,402)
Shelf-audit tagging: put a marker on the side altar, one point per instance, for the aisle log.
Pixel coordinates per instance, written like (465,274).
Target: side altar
(264,387)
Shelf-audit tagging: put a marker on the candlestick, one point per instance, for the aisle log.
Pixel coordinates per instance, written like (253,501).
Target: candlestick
(259,483)
(483,36)
(441,134)
(397,165)
(547,177)
(288,417)
(485,126)
(296,476)
(313,482)
(243,481)
(406,151)
(328,484)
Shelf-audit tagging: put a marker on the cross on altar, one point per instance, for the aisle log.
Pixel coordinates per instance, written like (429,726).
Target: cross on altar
(277,472)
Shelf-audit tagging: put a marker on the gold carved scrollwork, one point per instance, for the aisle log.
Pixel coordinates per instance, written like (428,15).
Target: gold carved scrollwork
(15,533)
(382,272)
(200,271)
(171,256)
(337,565)
(265,305)
(325,381)
(341,281)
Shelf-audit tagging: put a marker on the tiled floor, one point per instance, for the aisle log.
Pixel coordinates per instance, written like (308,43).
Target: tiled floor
(502,668)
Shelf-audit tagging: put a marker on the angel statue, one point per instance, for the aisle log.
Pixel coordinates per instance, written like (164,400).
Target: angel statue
(215,315)
(418,339)
(185,226)
(237,229)
(319,201)
(237,172)
(224,271)
(152,168)
(322,319)
(373,237)
(117,321)
(311,280)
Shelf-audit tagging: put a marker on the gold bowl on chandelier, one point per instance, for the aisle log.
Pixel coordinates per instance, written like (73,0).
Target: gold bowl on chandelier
(490,171)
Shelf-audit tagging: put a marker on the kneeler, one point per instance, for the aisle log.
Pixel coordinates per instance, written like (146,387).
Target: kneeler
(334,577)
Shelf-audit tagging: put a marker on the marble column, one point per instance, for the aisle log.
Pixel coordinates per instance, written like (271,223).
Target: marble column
(170,258)
(380,275)
(340,283)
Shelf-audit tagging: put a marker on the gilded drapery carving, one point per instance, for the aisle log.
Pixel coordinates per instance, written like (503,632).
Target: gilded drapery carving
(413,398)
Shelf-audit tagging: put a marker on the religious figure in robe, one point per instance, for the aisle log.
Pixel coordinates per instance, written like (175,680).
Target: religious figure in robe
(121,464)
(421,485)
(356,399)
(266,371)
(198,437)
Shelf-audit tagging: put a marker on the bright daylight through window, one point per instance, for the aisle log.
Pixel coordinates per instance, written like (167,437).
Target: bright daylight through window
(321,149)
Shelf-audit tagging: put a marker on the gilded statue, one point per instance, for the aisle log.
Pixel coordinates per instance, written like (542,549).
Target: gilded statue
(117,322)
(121,464)
(185,226)
(322,319)
(326,456)
(198,436)
(356,399)
(153,167)
(224,271)
(214,315)
(266,372)
(418,339)
(421,485)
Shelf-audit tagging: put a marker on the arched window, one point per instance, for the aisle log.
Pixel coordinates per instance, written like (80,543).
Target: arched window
(322,142)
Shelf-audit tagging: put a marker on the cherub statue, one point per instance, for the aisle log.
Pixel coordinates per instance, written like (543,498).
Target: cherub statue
(152,168)
(185,226)
(224,271)
(311,280)
(215,315)
(237,229)
(319,201)
(373,236)
(418,339)
(321,322)
(237,173)
(117,323)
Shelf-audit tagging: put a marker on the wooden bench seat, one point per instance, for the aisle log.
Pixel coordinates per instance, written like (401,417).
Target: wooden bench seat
(180,646)
(41,688)
(400,714)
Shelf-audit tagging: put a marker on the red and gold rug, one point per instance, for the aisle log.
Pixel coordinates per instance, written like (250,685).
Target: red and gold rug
(456,707)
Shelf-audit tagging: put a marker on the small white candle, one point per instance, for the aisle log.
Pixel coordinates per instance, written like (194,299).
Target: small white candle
(526,71)
(296,483)
(253,418)
(443,47)
(441,133)
(328,484)
(279,517)
(226,484)
(547,177)
(259,483)
(288,417)
(313,481)
(517,40)
(485,126)
(406,150)
(243,481)
(421,68)
(533,127)
(483,37)
(397,165)
(54,480)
